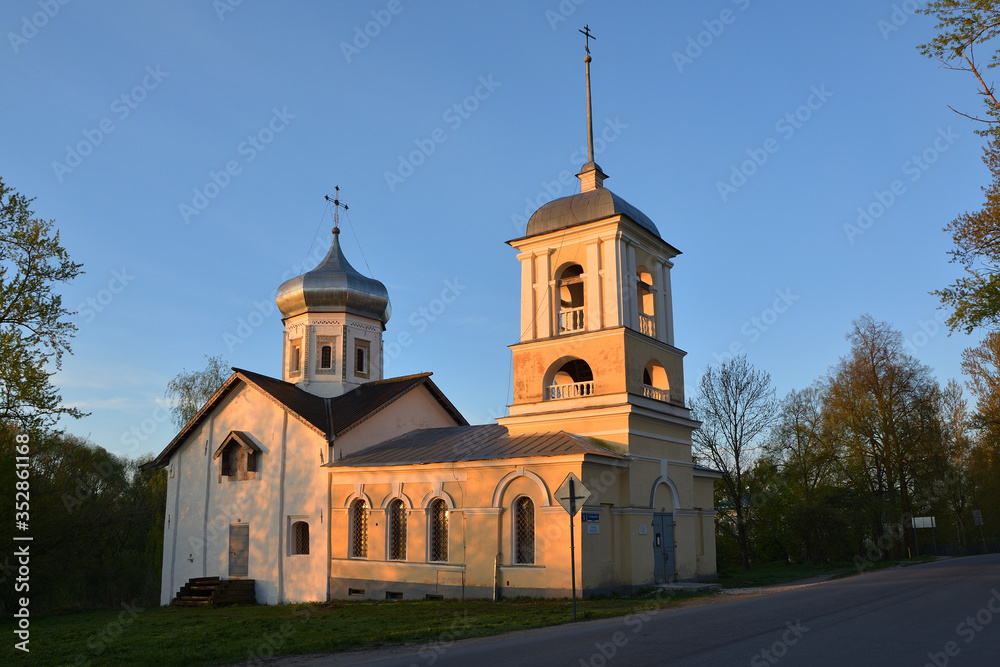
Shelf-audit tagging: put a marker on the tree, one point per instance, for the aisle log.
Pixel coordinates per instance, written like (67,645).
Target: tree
(34,331)
(97,523)
(963,25)
(982,471)
(973,298)
(736,405)
(957,488)
(883,410)
(982,365)
(189,391)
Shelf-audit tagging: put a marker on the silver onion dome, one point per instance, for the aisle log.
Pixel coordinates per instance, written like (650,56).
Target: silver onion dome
(334,287)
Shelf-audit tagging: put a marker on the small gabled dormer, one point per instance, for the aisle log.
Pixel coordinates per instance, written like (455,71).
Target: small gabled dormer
(239,457)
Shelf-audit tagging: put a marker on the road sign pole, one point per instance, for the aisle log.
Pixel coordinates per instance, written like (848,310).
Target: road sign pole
(567,496)
(572,542)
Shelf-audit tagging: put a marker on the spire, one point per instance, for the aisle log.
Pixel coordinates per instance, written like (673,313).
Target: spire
(591,176)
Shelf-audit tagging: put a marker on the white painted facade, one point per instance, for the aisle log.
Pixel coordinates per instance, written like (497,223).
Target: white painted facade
(291,486)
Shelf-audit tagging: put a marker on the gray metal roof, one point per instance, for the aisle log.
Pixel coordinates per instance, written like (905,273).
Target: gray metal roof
(334,286)
(469,443)
(582,208)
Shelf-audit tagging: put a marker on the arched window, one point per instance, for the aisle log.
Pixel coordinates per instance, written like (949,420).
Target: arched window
(655,382)
(524,531)
(571,313)
(439,530)
(326,357)
(573,379)
(300,538)
(294,360)
(646,301)
(397,530)
(359,529)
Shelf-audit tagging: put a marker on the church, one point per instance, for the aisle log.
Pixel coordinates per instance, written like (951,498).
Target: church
(334,482)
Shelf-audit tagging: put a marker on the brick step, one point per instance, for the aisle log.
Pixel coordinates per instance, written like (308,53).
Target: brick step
(205,591)
(190,603)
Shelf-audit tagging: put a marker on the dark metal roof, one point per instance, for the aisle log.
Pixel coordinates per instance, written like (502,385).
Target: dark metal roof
(308,407)
(329,417)
(469,443)
(582,208)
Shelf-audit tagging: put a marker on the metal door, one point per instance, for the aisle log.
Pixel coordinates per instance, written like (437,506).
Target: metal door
(663,548)
(239,549)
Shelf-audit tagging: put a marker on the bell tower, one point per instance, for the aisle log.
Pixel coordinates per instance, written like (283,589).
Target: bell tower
(334,318)
(596,354)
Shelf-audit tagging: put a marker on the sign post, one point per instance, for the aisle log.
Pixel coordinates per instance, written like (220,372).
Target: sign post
(977,518)
(925,522)
(568,493)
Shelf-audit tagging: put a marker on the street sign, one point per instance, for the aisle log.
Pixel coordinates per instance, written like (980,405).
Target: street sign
(924,522)
(591,517)
(580,494)
(572,494)
(977,517)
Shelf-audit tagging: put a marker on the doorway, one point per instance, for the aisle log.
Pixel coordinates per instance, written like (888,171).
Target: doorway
(664,569)
(239,549)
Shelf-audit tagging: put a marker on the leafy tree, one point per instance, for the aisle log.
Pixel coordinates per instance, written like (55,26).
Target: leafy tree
(34,331)
(963,25)
(982,365)
(974,298)
(736,405)
(883,410)
(96,521)
(956,489)
(189,391)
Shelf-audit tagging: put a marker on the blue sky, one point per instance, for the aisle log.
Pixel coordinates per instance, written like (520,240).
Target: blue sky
(801,155)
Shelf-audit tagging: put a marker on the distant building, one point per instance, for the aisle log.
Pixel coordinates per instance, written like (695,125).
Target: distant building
(335,483)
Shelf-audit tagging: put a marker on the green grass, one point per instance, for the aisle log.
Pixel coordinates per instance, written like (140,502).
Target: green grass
(164,636)
(766,574)
(779,572)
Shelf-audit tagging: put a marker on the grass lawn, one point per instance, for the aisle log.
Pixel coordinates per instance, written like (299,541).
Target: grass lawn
(766,574)
(163,636)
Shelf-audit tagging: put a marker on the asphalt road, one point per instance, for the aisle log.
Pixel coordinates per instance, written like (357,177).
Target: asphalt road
(942,613)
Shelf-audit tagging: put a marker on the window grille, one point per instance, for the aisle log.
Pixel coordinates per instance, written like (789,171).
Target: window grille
(524,531)
(359,361)
(359,530)
(439,530)
(397,530)
(300,538)
(326,357)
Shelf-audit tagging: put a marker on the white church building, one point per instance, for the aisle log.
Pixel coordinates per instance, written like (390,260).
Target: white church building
(333,482)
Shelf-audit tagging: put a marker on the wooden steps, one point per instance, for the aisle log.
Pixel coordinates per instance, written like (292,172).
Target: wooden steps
(215,592)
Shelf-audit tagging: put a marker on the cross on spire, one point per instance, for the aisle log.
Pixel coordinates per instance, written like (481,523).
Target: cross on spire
(586,33)
(337,205)
(591,176)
